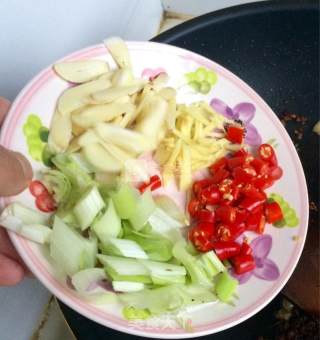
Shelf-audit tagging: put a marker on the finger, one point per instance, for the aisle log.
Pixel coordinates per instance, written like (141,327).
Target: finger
(15,172)
(11,272)
(4,108)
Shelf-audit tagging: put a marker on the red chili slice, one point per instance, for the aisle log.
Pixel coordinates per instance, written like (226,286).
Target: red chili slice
(37,188)
(198,186)
(194,206)
(210,195)
(226,214)
(273,212)
(205,215)
(235,134)
(226,250)
(201,236)
(46,203)
(275,173)
(260,166)
(243,264)
(220,164)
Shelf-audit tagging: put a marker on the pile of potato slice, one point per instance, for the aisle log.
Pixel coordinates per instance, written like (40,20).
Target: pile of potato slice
(109,116)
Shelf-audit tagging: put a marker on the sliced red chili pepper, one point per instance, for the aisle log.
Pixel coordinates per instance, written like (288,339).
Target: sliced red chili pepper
(201,236)
(262,182)
(205,215)
(226,214)
(266,153)
(241,216)
(241,152)
(153,184)
(273,212)
(220,175)
(194,206)
(236,161)
(260,166)
(37,188)
(200,185)
(226,250)
(275,172)
(250,203)
(243,264)
(220,164)
(210,195)
(235,134)
(256,222)
(245,249)
(229,232)
(46,203)
(250,191)
(243,175)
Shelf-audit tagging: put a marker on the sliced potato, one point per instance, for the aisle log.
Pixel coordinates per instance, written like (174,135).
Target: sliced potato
(100,158)
(151,119)
(81,71)
(60,132)
(108,95)
(77,130)
(119,51)
(76,97)
(91,115)
(126,139)
(89,137)
(123,77)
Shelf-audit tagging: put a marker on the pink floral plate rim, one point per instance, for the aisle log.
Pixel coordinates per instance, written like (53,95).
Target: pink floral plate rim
(96,314)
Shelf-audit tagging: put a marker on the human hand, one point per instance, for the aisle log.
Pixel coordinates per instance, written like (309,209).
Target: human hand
(15,174)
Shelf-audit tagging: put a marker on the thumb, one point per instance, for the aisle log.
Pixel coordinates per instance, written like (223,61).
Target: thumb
(15,172)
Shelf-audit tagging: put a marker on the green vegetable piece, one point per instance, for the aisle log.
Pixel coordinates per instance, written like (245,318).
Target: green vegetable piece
(29,130)
(211,77)
(195,85)
(108,225)
(290,217)
(225,286)
(205,87)
(44,134)
(34,120)
(35,152)
(145,206)
(131,313)
(47,156)
(201,74)
(58,184)
(34,143)
(125,200)
(88,207)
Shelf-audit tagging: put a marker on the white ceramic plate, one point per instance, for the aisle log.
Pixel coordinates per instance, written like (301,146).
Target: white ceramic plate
(284,247)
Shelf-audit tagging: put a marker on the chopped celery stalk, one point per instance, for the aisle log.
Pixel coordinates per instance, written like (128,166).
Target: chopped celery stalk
(196,272)
(36,232)
(162,280)
(58,184)
(125,200)
(164,269)
(157,247)
(225,286)
(88,207)
(127,286)
(131,313)
(11,222)
(108,225)
(24,214)
(83,164)
(166,204)
(125,248)
(144,209)
(211,263)
(84,280)
(69,219)
(123,266)
(132,278)
(161,223)
(70,250)
(167,299)
(76,175)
